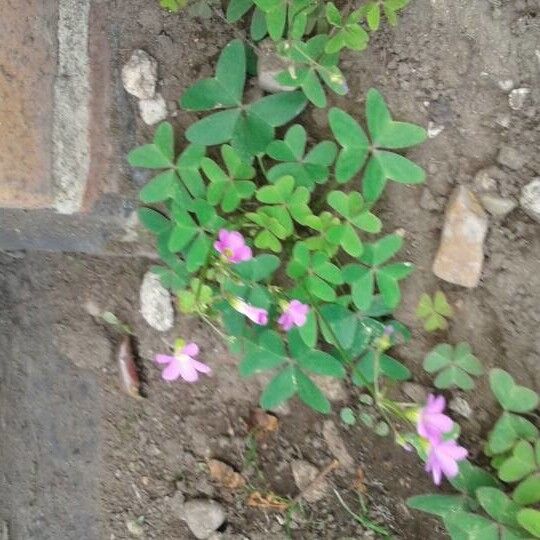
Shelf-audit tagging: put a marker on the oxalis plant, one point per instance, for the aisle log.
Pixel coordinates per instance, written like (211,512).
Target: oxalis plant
(273,240)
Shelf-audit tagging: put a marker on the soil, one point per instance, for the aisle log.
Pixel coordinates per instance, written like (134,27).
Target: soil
(84,460)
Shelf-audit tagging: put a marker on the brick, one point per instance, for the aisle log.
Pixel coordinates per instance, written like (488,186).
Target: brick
(27,73)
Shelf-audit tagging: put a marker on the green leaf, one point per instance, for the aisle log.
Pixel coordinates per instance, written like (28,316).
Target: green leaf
(321,363)
(342,323)
(198,252)
(310,394)
(507,430)
(520,464)
(377,113)
(438,505)
(529,519)
(309,330)
(373,16)
(160,188)
(382,250)
(453,376)
(471,477)
(153,220)
(467,526)
(268,353)
(333,16)
(188,165)
(278,109)
(214,129)
(397,135)
(389,288)
(399,168)
(528,491)
(353,140)
(282,387)
(258,268)
(388,366)
(159,154)
(510,395)
(438,358)
(441,305)
(498,505)
(236,9)
(319,288)
(347,416)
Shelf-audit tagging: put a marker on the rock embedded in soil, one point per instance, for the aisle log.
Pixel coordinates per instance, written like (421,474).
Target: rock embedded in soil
(153,110)
(460,406)
(269,65)
(460,256)
(139,75)
(415,391)
(530,199)
(511,158)
(486,179)
(518,97)
(428,201)
(156,305)
(332,388)
(336,445)
(304,474)
(203,517)
(496,205)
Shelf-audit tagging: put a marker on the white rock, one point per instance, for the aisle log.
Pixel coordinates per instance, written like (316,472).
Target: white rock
(517,98)
(269,65)
(203,517)
(460,256)
(434,129)
(156,305)
(530,199)
(153,110)
(496,205)
(304,473)
(460,406)
(506,85)
(139,75)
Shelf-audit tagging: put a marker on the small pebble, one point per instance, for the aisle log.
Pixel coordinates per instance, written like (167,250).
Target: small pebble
(203,517)
(153,110)
(530,199)
(139,75)
(496,205)
(517,98)
(460,406)
(304,473)
(156,305)
(511,158)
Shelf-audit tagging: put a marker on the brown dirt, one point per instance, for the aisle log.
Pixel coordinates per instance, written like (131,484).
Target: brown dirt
(441,64)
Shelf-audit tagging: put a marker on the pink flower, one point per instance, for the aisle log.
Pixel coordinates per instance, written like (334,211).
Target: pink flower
(295,314)
(232,246)
(182,364)
(442,459)
(255,314)
(432,423)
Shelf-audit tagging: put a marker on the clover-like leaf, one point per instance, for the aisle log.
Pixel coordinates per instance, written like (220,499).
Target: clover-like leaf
(498,505)
(528,491)
(249,127)
(350,34)
(231,187)
(454,366)
(520,464)
(307,169)
(511,395)
(434,311)
(529,519)
(311,64)
(159,154)
(508,429)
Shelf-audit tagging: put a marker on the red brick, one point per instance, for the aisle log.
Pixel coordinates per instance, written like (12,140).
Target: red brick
(27,72)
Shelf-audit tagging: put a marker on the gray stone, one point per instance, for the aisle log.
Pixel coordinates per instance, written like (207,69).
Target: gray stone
(460,406)
(415,391)
(517,98)
(496,205)
(434,129)
(304,473)
(153,110)
(506,85)
(460,256)
(336,445)
(203,517)
(486,179)
(156,306)
(139,75)
(530,199)
(511,158)
(428,201)
(269,65)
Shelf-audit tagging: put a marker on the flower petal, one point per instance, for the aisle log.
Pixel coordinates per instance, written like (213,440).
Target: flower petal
(235,240)
(242,253)
(163,358)
(172,371)
(199,366)
(187,370)
(191,349)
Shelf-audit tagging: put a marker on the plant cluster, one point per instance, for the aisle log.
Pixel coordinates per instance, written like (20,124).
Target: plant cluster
(502,505)
(268,235)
